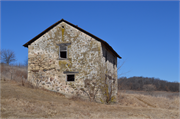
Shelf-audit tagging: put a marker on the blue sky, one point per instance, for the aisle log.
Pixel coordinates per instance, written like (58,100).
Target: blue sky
(144,34)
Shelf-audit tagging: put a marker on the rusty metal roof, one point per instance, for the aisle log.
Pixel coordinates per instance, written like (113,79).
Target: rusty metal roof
(62,20)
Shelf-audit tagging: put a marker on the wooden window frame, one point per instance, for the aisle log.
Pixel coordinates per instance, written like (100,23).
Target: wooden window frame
(70,73)
(60,45)
(63,51)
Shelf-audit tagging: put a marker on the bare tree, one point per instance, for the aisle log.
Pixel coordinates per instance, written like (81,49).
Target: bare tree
(26,62)
(119,67)
(106,85)
(91,87)
(7,56)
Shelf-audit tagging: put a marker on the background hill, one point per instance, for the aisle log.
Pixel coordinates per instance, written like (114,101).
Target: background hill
(139,83)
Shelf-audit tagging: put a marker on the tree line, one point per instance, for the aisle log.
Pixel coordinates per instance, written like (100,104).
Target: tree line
(138,83)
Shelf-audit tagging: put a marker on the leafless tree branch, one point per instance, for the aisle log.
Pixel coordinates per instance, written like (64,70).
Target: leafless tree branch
(7,56)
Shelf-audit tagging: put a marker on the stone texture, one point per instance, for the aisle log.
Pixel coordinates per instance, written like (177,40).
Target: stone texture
(85,55)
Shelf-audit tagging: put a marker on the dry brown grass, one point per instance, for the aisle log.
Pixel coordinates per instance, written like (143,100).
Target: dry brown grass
(165,94)
(139,100)
(23,100)
(13,73)
(19,101)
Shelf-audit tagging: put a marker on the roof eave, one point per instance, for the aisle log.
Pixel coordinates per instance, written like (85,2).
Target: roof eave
(52,26)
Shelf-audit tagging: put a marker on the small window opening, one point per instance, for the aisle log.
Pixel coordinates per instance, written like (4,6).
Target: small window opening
(62,26)
(70,77)
(63,52)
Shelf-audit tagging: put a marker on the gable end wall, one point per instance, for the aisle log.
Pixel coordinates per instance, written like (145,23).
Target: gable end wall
(85,55)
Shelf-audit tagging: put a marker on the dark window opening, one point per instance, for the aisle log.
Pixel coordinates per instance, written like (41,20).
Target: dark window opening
(63,54)
(70,77)
(63,51)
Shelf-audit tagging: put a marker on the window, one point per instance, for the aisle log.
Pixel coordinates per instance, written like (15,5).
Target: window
(63,51)
(70,77)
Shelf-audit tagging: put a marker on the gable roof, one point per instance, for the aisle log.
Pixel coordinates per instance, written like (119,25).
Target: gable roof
(82,30)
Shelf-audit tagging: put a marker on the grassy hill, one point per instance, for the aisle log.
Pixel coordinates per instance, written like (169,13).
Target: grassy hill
(26,101)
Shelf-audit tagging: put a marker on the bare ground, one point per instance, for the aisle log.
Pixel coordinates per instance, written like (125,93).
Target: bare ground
(22,102)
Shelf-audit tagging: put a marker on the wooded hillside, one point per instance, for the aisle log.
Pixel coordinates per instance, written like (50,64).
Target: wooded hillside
(138,83)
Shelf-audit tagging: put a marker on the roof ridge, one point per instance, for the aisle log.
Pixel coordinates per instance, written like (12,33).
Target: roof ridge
(58,22)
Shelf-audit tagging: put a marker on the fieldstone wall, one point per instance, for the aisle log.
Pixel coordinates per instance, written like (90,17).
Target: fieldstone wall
(84,55)
(109,62)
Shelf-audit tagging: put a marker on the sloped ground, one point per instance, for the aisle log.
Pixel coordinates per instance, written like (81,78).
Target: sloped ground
(22,102)
(12,72)
(138,100)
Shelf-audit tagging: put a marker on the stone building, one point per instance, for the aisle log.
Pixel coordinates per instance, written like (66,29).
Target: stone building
(64,54)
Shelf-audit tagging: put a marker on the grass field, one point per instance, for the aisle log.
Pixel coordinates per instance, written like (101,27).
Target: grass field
(165,94)
(25,102)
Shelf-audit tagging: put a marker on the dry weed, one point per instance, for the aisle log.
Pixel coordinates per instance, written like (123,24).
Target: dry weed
(13,73)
